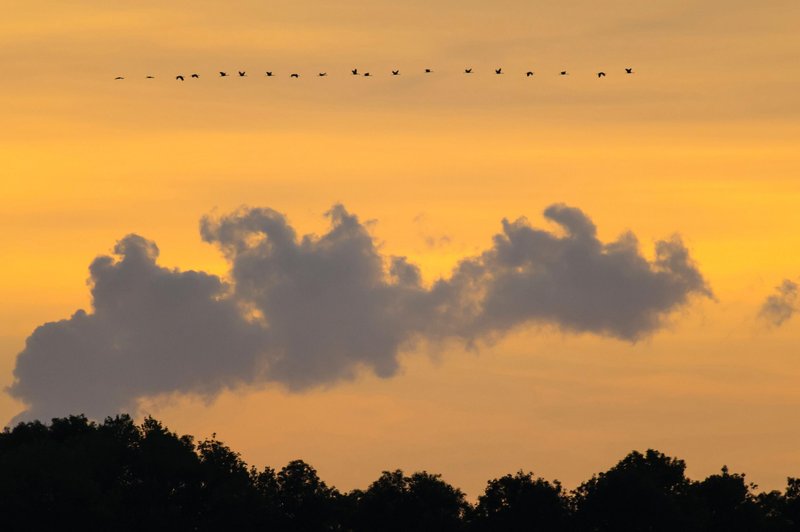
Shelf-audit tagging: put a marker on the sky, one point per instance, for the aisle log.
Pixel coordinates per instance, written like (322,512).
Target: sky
(512,335)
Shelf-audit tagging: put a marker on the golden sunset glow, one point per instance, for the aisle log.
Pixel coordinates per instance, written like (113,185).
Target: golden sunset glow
(702,141)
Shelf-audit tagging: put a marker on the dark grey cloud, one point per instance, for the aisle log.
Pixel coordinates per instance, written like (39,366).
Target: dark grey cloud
(574,281)
(152,330)
(781,305)
(328,303)
(313,310)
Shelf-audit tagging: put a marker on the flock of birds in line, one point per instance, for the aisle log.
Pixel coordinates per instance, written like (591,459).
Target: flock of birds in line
(355,72)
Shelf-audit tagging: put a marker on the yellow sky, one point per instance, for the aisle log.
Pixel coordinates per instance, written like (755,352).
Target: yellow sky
(702,141)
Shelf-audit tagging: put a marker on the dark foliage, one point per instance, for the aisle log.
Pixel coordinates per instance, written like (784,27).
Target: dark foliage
(74,474)
(421,502)
(642,492)
(521,502)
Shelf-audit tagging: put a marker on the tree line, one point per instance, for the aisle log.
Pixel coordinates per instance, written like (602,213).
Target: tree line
(75,474)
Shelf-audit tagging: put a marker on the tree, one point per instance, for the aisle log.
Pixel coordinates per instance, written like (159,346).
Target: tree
(420,502)
(306,502)
(643,492)
(725,503)
(229,500)
(521,502)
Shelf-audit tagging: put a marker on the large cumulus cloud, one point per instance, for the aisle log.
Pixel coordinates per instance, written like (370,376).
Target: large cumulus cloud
(311,310)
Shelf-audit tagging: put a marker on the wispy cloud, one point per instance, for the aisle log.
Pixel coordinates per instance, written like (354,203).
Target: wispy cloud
(779,307)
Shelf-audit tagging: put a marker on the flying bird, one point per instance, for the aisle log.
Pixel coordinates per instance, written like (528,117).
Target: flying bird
(196,76)
(269,74)
(322,74)
(366,74)
(119,77)
(629,71)
(601,74)
(395,72)
(467,71)
(223,74)
(563,72)
(529,73)
(242,74)
(355,71)
(498,70)
(179,78)
(294,76)
(149,77)
(428,70)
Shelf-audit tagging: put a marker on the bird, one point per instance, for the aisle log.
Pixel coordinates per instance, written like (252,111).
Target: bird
(223,74)
(498,70)
(196,76)
(294,76)
(322,74)
(467,71)
(119,77)
(355,71)
(149,77)
(529,73)
(563,72)
(366,74)
(395,72)
(179,78)
(629,71)
(242,74)
(428,70)
(269,74)
(601,74)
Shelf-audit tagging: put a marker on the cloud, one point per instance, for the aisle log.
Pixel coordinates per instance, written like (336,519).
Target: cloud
(327,302)
(314,310)
(575,281)
(780,306)
(152,330)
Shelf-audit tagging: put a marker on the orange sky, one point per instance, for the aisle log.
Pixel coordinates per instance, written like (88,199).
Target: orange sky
(702,141)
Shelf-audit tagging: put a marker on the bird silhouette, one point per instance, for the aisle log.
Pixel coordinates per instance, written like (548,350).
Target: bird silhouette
(428,70)
(119,77)
(529,73)
(223,74)
(366,74)
(242,74)
(149,77)
(322,74)
(395,72)
(498,70)
(179,78)
(295,76)
(563,72)
(355,71)
(629,71)
(467,71)
(601,74)
(269,74)
(196,76)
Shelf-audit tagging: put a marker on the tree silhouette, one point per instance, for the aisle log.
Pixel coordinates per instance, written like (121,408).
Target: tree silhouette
(228,497)
(306,502)
(643,492)
(520,502)
(792,503)
(724,502)
(75,474)
(420,502)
